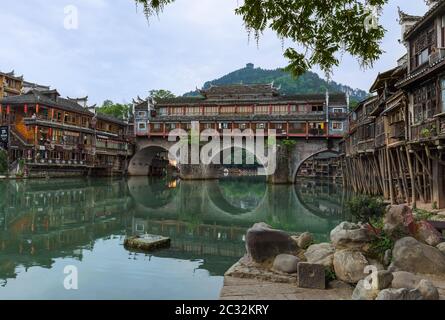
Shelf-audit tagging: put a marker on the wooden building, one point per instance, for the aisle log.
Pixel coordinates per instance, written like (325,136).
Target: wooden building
(255,107)
(10,84)
(404,130)
(50,135)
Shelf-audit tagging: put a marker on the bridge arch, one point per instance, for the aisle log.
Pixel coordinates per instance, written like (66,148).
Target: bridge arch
(298,165)
(142,162)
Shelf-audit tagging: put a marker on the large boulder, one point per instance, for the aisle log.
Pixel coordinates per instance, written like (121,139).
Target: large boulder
(322,253)
(426,233)
(286,263)
(413,256)
(363,292)
(305,240)
(407,280)
(441,247)
(264,243)
(428,290)
(349,265)
(399,219)
(399,294)
(349,235)
(403,279)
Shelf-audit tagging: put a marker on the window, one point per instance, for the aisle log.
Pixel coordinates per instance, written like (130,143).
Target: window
(442,89)
(423,57)
(228,110)
(338,110)
(261,126)
(262,110)
(223,125)
(317,108)
(157,126)
(142,114)
(243,126)
(280,109)
(279,126)
(142,126)
(163,111)
(337,126)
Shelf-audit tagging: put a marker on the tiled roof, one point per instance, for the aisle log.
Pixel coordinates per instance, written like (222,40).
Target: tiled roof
(429,14)
(334,98)
(39,97)
(237,89)
(109,118)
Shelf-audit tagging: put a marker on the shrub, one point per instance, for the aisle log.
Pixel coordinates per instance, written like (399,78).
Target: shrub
(380,245)
(366,209)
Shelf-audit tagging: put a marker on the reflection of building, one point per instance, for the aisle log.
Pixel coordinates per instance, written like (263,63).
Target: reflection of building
(43,220)
(325,165)
(54,135)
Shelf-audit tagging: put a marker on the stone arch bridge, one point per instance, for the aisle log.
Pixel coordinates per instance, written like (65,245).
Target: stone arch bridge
(288,158)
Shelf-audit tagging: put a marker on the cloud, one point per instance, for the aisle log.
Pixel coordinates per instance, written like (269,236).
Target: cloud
(115,54)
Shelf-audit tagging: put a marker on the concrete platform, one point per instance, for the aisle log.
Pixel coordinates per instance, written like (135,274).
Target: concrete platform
(254,289)
(147,242)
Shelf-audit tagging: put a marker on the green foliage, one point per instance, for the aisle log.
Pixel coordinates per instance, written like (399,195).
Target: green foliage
(161,94)
(3,162)
(422,215)
(288,144)
(365,208)
(380,245)
(117,110)
(307,83)
(322,29)
(330,275)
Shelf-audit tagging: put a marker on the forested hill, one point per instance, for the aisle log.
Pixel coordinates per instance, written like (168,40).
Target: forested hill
(307,83)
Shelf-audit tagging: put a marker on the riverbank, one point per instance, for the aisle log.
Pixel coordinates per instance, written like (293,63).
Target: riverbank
(401,259)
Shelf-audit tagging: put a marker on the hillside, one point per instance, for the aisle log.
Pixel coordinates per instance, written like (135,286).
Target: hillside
(308,83)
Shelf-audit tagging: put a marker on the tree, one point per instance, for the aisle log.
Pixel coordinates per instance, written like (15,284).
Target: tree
(117,110)
(321,30)
(161,94)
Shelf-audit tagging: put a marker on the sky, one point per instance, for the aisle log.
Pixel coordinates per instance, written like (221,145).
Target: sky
(114,53)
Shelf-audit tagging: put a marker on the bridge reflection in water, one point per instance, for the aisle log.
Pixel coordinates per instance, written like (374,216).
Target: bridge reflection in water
(45,220)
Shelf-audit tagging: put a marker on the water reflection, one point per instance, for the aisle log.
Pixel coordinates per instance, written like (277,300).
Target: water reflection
(43,221)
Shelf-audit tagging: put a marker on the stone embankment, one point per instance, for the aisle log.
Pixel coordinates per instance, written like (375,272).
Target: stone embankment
(404,259)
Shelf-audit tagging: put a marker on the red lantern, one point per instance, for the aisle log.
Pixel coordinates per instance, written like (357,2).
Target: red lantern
(1,109)
(8,109)
(37,108)
(26,109)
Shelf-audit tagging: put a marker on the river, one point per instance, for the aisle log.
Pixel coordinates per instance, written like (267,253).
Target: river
(47,225)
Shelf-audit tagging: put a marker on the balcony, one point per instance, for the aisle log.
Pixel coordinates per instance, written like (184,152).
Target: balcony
(366,146)
(425,131)
(437,56)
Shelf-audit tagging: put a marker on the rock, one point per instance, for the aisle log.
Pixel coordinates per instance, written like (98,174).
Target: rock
(286,263)
(403,279)
(349,235)
(311,276)
(349,265)
(322,253)
(428,290)
(361,292)
(413,256)
(379,266)
(399,219)
(441,247)
(305,240)
(399,294)
(426,233)
(384,280)
(264,243)
(147,242)
(387,257)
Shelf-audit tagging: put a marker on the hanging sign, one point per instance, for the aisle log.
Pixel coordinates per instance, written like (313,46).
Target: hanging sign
(4,137)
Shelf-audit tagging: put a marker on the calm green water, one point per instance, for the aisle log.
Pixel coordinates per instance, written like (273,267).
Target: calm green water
(47,225)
